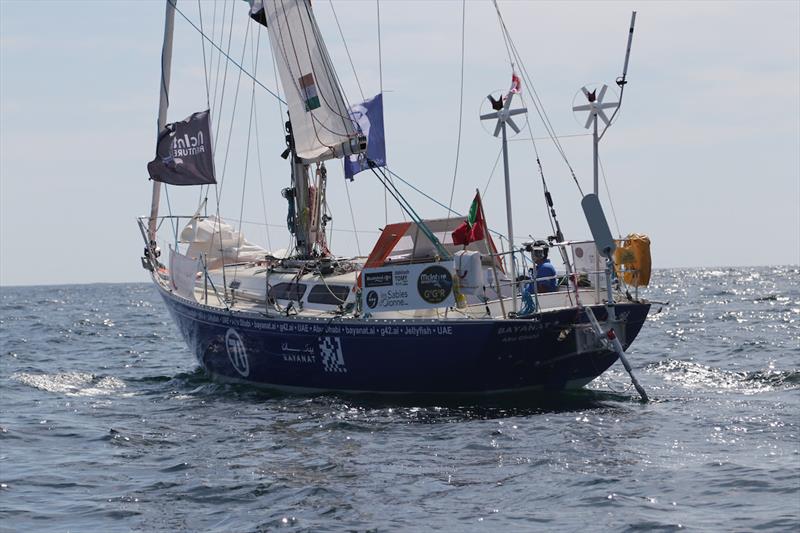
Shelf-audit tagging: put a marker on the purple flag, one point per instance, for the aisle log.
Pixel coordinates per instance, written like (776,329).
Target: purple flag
(368,116)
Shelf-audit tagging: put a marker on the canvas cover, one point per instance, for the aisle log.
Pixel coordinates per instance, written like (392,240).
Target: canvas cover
(405,241)
(217,241)
(183,273)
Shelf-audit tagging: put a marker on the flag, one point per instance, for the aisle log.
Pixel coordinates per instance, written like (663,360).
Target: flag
(308,88)
(516,84)
(257,11)
(183,153)
(474,228)
(368,117)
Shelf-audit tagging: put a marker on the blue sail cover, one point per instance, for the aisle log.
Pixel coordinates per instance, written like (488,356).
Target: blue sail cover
(368,115)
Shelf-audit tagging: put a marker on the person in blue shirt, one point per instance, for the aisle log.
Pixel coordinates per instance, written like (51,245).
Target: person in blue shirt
(544,269)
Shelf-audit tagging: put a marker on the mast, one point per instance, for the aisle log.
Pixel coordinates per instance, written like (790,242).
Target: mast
(163,104)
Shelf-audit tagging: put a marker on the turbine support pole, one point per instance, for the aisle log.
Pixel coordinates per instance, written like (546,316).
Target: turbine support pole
(503,113)
(510,222)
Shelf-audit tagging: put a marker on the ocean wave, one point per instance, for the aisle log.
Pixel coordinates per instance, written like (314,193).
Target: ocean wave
(695,375)
(71,383)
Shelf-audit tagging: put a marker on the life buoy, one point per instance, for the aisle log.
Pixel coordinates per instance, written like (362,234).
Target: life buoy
(632,260)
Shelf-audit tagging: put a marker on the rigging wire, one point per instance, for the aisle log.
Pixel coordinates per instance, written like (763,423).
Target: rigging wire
(203,45)
(432,199)
(219,56)
(229,58)
(233,112)
(491,174)
(380,85)
(352,216)
(172,221)
(339,106)
(506,37)
(218,108)
(247,149)
(339,230)
(258,147)
(535,97)
(205,77)
(515,139)
(225,80)
(608,193)
(380,46)
(347,50)
(361,91)
(406,206)
(460,104)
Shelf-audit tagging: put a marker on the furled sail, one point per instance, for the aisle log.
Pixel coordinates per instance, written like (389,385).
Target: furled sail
(321,122)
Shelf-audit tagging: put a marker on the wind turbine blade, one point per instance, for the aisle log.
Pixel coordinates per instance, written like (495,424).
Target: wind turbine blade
(608,105)
(488,116)
(497,128)
(585,91)
(513,126)
(507,103)
(602,115)
(585,107)
(517,111)
(602,94)
(592,116)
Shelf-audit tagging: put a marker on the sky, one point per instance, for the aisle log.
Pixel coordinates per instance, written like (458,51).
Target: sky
(704,156)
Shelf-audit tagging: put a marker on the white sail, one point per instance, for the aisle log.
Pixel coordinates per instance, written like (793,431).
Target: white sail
(320,118)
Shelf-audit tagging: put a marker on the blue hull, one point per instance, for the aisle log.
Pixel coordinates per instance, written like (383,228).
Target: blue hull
(397,356)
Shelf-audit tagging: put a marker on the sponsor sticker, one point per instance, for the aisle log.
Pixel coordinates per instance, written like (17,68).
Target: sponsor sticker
(237,352)
(435,284)
(378,279)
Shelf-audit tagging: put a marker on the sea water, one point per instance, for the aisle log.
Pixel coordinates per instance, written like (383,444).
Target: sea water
(106,424)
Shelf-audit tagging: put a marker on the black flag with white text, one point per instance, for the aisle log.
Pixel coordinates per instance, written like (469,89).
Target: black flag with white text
(183,153)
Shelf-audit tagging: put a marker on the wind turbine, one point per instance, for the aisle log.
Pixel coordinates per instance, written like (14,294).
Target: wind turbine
(503,113)
(596,108)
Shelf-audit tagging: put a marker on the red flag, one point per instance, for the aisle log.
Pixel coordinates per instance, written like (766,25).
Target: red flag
(461,234)
(472,229)
(516,84)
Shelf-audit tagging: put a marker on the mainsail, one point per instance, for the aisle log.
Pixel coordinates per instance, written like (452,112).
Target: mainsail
(321,122)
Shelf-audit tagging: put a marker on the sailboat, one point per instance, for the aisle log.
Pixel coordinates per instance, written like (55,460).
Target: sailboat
(434,308)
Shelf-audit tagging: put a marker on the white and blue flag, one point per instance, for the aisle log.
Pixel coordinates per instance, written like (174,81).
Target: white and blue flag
(368,115)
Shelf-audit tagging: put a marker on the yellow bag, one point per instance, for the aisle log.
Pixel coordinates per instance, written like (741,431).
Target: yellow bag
(632,260)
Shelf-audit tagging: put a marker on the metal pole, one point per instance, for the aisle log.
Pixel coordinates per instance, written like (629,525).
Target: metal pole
(510,221)
(628,48)
(302,216)
(491,251)
(595,145)
(596,255)
(166,64)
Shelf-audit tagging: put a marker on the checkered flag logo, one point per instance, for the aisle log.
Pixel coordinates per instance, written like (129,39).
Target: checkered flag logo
(332,358)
